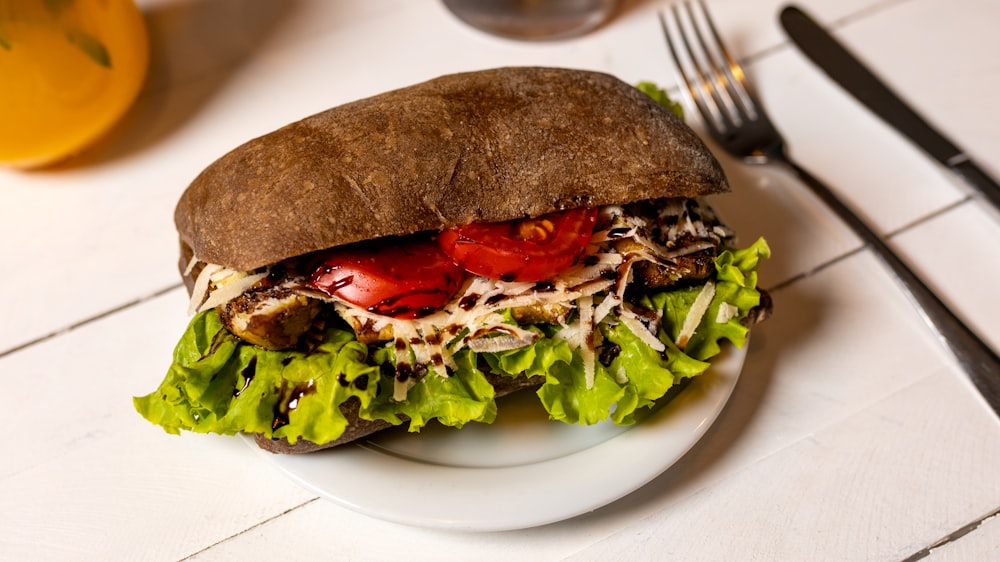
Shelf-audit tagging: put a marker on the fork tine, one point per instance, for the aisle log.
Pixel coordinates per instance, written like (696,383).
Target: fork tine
(712,77)
(701,92)
(737,82)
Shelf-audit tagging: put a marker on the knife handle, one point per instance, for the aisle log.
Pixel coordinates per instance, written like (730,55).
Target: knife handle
(979,179)
(980,362)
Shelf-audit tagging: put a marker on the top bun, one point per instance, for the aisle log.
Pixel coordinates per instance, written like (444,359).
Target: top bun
(480,146)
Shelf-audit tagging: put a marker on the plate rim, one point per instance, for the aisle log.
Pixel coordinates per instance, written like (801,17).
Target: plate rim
(422,494)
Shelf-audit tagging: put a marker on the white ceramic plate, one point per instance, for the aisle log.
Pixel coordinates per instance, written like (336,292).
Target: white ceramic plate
(522,471)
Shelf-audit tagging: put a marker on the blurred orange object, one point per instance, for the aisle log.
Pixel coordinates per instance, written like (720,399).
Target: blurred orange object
(69,70)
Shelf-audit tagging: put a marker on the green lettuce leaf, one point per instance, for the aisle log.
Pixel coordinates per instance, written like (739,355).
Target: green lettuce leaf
(463,396)
(736,285)
(660,96)
(219,384)
(563,394)
(650,374)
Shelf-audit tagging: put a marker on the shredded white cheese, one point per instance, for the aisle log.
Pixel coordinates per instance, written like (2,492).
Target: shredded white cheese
(201,286)
(190,266)
(726,313)
(698,309)
(229,287)
(635,325)
(400,389)
(585,308)
(609,303)
(501,343)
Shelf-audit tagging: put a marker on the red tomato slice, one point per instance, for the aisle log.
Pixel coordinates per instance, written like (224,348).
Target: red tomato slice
(408,279)
(521,250)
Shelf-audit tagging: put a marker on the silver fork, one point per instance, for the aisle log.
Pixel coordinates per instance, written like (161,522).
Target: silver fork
(737,121)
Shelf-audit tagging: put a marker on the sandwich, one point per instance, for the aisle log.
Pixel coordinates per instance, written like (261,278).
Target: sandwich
(411,257)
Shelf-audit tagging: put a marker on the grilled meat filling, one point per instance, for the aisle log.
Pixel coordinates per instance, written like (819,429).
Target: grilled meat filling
(276,316)
(673,224)
(272,318)
(540,314)
(366,334)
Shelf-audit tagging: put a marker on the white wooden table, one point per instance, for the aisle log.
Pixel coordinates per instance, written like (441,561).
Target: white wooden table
(850,436)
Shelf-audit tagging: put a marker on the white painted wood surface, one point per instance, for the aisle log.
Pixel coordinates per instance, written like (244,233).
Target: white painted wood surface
(851,435)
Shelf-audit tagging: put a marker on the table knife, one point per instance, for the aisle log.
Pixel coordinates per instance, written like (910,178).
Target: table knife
(845,69)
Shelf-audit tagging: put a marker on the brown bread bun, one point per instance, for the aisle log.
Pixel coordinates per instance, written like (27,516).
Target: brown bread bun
(492,145)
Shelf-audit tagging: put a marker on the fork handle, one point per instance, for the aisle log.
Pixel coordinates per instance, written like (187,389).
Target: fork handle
(980,362)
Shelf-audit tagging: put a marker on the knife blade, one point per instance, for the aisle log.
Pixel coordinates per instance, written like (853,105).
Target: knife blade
(852,75)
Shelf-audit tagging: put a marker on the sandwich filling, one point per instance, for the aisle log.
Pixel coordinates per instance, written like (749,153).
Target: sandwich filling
(637,298)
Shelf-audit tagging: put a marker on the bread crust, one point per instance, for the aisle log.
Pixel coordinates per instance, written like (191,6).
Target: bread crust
(491,145)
